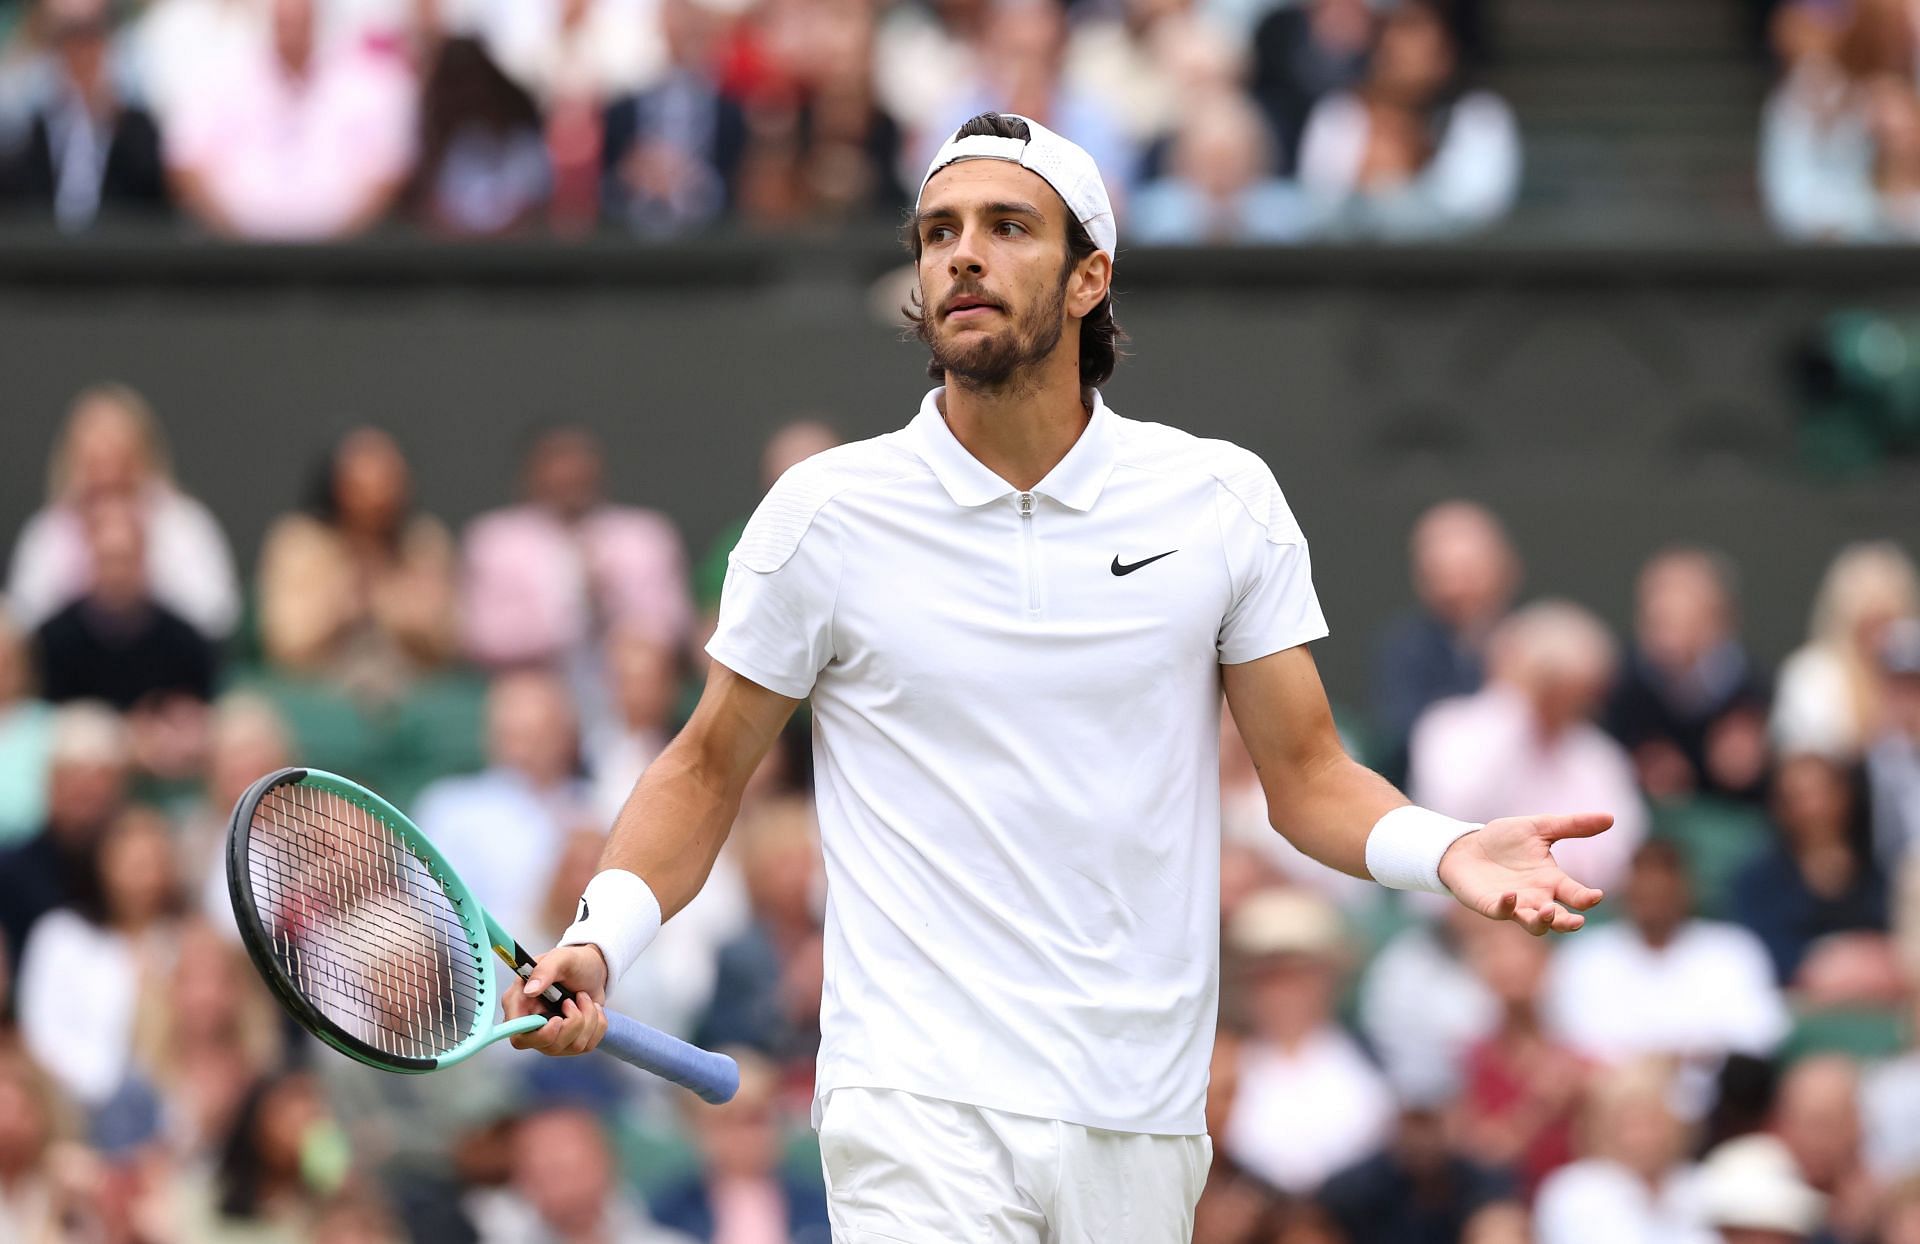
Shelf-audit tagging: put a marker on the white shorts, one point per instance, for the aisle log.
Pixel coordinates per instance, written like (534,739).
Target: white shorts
(906,1169)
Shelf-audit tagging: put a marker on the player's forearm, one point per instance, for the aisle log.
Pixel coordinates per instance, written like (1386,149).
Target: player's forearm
(1328,806)
(673,824)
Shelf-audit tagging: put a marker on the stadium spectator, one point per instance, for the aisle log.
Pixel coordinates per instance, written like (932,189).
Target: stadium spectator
(277,1165)
(1219,184)
(1146,60)
(89,150)
(89,765)
(1421,1004)
(1308,1101)
(595,49)
(1817,1119)
(84,964)
(1018,66)
(489,824)
(766,992)
(1750,1193)
(45,1192)
(1632,1181)
(645,677)
(1528,738)
(1465,573)
(1840,137)
(1819,877)
(1889,1102)
(1520,1086)
(1689,704)
(246,740)
(564,1189)
(296,138)
(826,150)
(1816,155)
(1828,696)
(1303,53)
(920,51)
(26,735)
(1411,152)
(546,581)
(1417,1190)
(358,589)
(207,1032)
(1661,982)
(671,154)
(741,1193)
(1893,759)
(482,169)
(117,643)
(112,448)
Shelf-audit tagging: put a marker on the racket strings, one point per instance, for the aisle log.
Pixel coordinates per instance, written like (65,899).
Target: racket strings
(360,925)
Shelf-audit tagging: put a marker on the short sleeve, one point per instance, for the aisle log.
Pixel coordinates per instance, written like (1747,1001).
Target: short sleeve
(776,622)
(1274,606)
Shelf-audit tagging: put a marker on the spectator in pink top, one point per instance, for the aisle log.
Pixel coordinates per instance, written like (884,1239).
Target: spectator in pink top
(1528,738)
(292,139)
(547,580)
(112,451)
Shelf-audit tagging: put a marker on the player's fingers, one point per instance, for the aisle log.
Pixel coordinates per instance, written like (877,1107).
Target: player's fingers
(1566,921)
(1577,896)
(1576,825)
(1503,907)
(1535,920)
(542,1038)
(593,1022)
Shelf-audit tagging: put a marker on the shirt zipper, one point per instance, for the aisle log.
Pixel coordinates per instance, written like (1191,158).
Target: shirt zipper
(1026,543)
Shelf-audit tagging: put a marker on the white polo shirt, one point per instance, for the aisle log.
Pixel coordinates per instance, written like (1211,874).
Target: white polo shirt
(1016,743)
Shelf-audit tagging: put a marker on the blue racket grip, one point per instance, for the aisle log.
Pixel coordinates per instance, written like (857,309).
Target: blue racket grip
(715,1078)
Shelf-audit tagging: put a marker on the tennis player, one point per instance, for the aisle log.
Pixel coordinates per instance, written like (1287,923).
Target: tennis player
(1014,618)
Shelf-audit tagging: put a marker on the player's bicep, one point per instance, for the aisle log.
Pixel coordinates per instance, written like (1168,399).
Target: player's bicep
(1281,710)
(734,725)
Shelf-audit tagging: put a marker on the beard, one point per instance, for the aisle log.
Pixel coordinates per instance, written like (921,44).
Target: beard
(998,362)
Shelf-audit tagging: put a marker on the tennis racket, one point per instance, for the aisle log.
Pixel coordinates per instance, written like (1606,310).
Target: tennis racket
(374,944)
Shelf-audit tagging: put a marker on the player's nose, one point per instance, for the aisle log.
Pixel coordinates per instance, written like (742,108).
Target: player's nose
(966,256)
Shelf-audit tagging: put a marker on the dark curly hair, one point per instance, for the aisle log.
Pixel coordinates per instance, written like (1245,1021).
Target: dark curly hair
(1100,333)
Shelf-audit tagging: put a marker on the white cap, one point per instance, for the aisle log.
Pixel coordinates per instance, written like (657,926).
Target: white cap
(1065,166)
(1754,1183)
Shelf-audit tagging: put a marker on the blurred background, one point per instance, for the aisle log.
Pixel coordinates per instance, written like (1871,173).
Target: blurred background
(385,382)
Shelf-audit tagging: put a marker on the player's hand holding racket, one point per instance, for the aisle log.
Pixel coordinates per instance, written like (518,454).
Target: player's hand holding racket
(374,944)
(580,972)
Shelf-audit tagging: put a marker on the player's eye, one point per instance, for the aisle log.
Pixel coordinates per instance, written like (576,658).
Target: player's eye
(1013,225)
(939,233)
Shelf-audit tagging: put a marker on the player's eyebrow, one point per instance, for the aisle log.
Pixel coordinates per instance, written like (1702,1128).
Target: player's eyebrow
(1008,207)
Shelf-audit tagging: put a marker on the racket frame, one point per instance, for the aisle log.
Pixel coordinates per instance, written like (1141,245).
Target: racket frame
(481,928)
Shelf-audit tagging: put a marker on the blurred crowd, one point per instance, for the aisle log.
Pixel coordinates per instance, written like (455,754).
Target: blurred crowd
(1840,137)
(1729,1052)
(1211,120)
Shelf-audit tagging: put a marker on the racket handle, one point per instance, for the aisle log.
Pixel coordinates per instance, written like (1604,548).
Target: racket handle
(715,1078)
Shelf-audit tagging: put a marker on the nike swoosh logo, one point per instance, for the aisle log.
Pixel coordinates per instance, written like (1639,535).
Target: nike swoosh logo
(1120,569)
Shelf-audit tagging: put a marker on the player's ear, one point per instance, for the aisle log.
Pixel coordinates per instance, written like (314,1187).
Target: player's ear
(1088,285)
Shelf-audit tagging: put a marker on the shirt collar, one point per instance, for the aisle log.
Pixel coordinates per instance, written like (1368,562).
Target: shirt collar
(1075,481)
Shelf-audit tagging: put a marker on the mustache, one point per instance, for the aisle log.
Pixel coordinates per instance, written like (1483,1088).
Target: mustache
(968,291)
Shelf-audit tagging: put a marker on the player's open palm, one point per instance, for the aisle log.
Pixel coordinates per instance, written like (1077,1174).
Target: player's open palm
(1506,871)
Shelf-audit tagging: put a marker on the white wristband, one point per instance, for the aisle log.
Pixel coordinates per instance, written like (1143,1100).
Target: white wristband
(1404,849)
(619,914)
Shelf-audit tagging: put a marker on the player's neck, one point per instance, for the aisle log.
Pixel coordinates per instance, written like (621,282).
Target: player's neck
(1020,432)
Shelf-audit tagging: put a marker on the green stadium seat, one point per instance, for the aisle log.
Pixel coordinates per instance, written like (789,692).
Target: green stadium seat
(1864,1033)
(1718,838)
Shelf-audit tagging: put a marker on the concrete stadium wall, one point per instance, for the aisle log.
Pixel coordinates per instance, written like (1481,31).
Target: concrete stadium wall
(1603,402)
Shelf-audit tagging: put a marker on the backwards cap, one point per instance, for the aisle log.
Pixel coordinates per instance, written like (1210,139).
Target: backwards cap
(1064,165)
